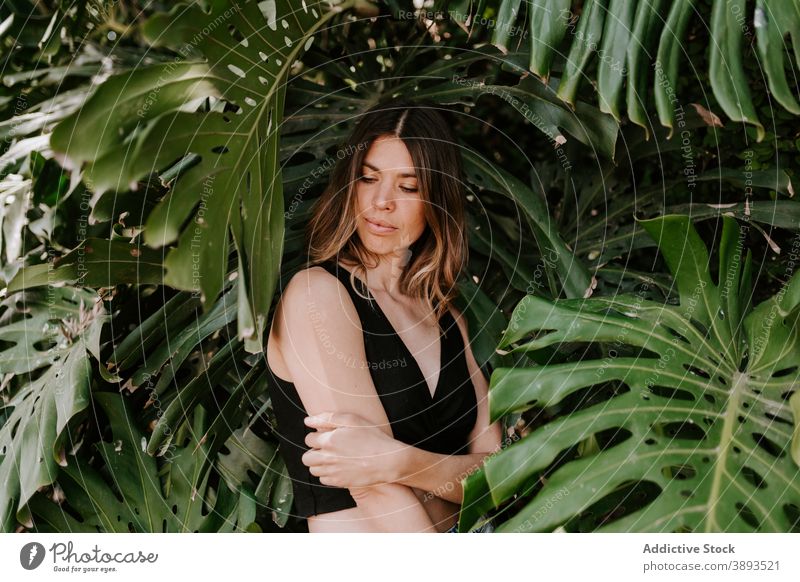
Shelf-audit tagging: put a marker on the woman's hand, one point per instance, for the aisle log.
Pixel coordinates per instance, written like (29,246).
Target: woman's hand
(349,451)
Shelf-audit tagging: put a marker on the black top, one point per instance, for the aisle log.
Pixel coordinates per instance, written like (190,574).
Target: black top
(440,423)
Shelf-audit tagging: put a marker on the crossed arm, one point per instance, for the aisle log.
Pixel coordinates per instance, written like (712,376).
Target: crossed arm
(440,475)
(353,445)
(331,456)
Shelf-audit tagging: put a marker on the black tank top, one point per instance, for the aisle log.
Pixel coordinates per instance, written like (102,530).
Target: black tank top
(440,423)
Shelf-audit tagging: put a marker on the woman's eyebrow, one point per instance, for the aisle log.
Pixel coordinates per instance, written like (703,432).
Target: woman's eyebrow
(405,175)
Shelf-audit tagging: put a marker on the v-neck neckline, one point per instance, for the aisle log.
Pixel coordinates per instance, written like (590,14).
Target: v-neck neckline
(426,386)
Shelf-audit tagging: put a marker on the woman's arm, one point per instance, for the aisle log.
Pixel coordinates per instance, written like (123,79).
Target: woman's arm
(397,462)
(440,475)
(322,344)
(346,452)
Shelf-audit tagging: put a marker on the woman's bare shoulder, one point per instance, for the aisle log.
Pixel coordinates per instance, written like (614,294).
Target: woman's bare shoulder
(312,282)
(315,291)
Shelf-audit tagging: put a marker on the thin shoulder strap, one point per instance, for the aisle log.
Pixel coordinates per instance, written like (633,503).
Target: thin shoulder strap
(361,298)
(343,275)
(331,267)
(334,269)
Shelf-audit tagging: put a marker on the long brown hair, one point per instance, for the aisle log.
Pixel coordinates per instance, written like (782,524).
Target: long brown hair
(440,253)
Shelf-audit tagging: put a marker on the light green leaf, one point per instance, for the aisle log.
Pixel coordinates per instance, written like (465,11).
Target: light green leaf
(691,403)
(61,329)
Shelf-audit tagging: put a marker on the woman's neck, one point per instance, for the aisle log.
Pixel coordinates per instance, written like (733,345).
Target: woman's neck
(384,278)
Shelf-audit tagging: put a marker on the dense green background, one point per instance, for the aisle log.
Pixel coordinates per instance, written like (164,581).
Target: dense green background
(633,244)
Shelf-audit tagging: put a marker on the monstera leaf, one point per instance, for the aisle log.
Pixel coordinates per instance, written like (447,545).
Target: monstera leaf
(96,263)
(698,415)
(251,456)
(131,495)
(238,56)
(46,340)
(646,35)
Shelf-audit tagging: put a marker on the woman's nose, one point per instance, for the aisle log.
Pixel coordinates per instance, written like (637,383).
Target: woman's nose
(384,197)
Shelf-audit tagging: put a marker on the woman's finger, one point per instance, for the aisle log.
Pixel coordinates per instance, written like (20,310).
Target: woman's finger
(329,419)
(312,441)
(318,471)
(314,457)
(321,420)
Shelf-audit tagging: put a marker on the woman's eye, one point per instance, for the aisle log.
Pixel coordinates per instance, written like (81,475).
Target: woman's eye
(369,180)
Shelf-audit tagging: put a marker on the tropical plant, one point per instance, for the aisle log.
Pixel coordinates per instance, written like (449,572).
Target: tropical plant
(165,179)
(229,179)
(48,337)
(624,44)
(127,495)
(688,420)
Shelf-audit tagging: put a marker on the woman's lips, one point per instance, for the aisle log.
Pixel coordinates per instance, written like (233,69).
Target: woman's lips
(377,229)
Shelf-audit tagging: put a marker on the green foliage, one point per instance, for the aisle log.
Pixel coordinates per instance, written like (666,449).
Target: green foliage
(173,169)
(695,409)
(133,494)
(47,340)
(239,55)
(622,45)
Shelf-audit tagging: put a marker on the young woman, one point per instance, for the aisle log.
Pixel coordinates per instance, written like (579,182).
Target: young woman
(380,405)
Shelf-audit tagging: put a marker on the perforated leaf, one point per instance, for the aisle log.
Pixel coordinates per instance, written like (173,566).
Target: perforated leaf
(135,494)
(699,413)
(243,52)
(49,334)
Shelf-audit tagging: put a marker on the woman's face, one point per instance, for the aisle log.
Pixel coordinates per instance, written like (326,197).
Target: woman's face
(387,194)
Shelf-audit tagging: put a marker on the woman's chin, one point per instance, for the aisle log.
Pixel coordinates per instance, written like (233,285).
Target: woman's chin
(378,243)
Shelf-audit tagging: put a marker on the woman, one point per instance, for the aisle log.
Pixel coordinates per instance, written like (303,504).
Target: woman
(380,405)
